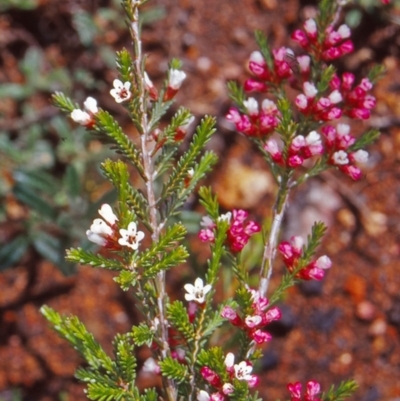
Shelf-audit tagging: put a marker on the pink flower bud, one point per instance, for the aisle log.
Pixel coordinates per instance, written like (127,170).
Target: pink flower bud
(323,262)
(301,102)
(231,315)
(300,37)
(272,314)
(313,388)
(210,376)
(310,26)
(251,85)
(260,337)
(295,161)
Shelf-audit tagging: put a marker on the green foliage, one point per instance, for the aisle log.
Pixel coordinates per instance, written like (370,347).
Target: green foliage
(142,334)
(262,42)
(174,370)
(88,258)
(76,333)
(318,231)
(176,182)
(366,139)
(177,314)
(344,390)
(109,131)
(132,203)
(236,94)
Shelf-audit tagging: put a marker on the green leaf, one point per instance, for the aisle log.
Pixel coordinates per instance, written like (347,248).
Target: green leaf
(142,335)
(64,103)
(52,248)
(174,257)
(129,197)
(174,370)
(13,251)
(36,180)
(72,182)
(78,255)
(29,197)
(177,314)
(126,279)
(187,161)
(124,358)
(110,132)
(15,91)
(84,24)
(71,329)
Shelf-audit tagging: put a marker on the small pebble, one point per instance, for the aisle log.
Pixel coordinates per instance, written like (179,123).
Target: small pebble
(365,310)
(378,327)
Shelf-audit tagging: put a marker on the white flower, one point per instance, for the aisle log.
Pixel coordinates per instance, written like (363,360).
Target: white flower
(176,77)
(268,106)
(257,57)
(360,156)
(101,231)
(253,321)
(313,138)
(229,360)
(340,158)
(96,238)
(100,227)
(197,292)
(335,97)
(309,89)
(207,222)
(344,31)
(243,371)
(304,62)
(342,129)
(203,396)
(310,26)
(107,214)
(131,237)
(121,91)
(251,105)
(225,217)
(323,262)
(80,116)
(151,366)
(90,105)
(228,388)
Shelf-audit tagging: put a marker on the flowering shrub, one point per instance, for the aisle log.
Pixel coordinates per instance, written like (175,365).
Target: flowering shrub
(140,238)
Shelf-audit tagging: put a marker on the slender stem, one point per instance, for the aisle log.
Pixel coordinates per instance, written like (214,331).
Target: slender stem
(148,166)
(270,245)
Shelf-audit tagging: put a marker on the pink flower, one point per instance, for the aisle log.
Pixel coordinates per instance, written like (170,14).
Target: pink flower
(313,388)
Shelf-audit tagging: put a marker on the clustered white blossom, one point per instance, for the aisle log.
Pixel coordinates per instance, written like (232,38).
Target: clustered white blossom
(104,232)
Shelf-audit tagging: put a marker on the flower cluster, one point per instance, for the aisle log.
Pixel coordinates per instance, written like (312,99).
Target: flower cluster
(338,141)
(105,231)
(86,117)
(357,103)
(331,45)
(257,318)
(257,123)
(300,149)
(264,75)
(313,388)
(292,252)
(238,233)
(318,108)
(241,371)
